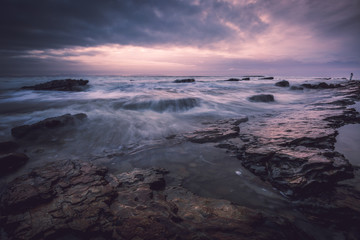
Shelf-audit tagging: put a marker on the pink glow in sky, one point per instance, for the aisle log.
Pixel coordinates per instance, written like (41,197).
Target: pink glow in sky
(214,37)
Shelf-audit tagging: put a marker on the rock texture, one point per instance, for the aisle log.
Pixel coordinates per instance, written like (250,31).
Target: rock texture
(60,85)
(217,131)
(76,199)
(45,125)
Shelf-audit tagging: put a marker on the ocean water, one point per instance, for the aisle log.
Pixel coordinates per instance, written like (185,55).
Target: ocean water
(131,122)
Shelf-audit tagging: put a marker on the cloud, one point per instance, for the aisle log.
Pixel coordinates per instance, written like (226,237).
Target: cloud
(46,24)
(236,33)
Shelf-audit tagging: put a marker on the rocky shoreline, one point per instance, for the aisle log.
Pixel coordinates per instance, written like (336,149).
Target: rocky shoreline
(293,151)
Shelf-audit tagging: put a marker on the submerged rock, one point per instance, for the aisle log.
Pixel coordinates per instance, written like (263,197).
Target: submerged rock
(282,83)
(186,80)
(60,85)
(47,124)
(11,162)
(71,198)
(262,98)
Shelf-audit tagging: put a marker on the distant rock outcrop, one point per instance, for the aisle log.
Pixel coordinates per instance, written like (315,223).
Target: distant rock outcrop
(47,124)
(267,78)
(322,85)
(233,80)
(60,85)
(262,98)
(186,80)
(282,83)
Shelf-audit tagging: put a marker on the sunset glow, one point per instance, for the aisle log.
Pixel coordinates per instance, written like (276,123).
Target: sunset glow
(199,37)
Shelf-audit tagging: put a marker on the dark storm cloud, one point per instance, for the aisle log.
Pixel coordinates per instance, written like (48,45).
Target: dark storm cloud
(43,24)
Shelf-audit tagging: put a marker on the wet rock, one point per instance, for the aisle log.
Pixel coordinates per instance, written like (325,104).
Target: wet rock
(11,162)
(60,85)
(186,80)
(348,116)
(322,85)
(245,79)
(262,98)
(217,131)
(282,83)
(295,174)
(267,78)
(8,147)
(78,198)
(296,88)
(47,124)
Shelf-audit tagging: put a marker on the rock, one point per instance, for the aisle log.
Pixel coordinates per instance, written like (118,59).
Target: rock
(47,124)
(60,85)
(262,98)
(322,85)
(217,131)
(245,79)
(71,198)
(187,80)
(8,147)
(296,88)
(282,83)
(267,78)
(233,80)
(11,162)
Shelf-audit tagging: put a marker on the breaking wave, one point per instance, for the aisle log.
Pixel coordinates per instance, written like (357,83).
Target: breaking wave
(162,105)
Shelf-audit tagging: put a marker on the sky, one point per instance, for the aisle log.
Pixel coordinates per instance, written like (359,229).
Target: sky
(180,37)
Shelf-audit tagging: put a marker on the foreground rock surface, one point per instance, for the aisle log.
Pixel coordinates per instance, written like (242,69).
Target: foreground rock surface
(77,199)
(47,124)
(60,85)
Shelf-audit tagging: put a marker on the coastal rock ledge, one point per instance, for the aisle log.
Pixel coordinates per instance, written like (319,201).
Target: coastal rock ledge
(77,200)
(60,85)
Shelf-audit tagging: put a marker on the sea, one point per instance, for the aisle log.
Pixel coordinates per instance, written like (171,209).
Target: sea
(132,121)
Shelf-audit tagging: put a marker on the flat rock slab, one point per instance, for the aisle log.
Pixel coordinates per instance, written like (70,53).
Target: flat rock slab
(216,131)
(73,198)
(60,85)
(46,125)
